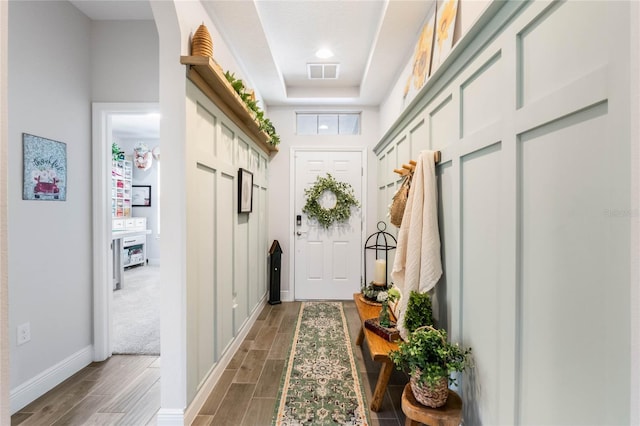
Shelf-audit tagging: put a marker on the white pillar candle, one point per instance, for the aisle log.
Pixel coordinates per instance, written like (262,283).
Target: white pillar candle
(380,273)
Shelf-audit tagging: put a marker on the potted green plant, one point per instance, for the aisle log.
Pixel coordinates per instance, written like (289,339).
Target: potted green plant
(430,359)
(419,311)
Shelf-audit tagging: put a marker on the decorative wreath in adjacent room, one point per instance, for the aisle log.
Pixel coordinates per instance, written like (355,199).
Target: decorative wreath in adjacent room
(345,199)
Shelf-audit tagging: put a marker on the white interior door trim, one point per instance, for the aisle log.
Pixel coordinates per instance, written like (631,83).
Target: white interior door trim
(292,213)
(102,259)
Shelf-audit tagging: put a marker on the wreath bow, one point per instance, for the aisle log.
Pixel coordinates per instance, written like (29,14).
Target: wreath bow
(345,199)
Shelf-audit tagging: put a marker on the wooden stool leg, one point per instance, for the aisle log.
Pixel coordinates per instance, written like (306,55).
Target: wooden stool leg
(381,385)
(410,422)
(360,337)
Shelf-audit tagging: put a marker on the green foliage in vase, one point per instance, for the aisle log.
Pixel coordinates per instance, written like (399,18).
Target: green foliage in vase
(263,122)
(428,357)
(418,311)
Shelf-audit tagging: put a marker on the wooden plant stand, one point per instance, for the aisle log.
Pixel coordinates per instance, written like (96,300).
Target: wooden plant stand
(450,414)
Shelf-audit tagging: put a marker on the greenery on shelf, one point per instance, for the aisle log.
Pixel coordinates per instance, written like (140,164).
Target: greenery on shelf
(418,312)
(249,100)
(428,357)
(345,199)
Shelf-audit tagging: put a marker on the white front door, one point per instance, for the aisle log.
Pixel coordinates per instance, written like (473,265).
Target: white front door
(327,261)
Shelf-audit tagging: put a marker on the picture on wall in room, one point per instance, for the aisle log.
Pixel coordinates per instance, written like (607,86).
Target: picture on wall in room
(447,10)
(245,191)
(45,169)
(141,195)
(419,68)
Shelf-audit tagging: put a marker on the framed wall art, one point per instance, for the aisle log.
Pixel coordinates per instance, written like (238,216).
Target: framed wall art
(245,191)
(45,169)
(419,69)
(445,27)
(141,195)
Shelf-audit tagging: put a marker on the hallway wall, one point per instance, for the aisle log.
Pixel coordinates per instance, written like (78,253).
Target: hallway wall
(534,211)
(176,22)
(124,61)
(4,295)
(50,243)
(634,395)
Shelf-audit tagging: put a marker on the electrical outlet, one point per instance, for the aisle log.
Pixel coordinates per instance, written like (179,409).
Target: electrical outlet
(24,333)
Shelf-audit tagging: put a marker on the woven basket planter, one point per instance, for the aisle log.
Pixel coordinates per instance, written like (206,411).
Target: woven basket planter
(433,397)
(396,211)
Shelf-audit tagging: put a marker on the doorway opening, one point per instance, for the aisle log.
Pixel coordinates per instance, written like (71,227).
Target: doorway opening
(135,216)
(126,200)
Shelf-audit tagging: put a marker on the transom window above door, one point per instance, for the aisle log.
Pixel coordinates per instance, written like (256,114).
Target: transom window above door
(328,123)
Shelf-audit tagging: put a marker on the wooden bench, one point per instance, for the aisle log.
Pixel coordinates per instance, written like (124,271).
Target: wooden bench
(378,347)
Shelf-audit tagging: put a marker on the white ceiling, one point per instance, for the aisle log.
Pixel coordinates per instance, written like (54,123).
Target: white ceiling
(275,39)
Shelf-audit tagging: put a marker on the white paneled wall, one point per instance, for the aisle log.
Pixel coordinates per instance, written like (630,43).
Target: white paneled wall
(533,128)
(226,251)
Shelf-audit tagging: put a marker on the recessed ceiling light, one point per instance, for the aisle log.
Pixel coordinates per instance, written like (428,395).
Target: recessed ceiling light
(324,53)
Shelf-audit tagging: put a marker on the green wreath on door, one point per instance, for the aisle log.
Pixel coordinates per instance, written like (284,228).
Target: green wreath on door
(345,200)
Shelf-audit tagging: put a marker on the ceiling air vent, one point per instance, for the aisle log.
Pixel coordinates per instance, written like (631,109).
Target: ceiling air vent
(322,71)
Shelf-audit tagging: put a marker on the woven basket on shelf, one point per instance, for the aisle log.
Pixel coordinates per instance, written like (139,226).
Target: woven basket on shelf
(433,397)
(201,44)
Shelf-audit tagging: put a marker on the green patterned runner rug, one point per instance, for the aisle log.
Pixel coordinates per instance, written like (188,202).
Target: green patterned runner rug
(321,385)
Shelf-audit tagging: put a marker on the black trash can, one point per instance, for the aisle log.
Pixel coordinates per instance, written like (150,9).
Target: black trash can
(275,259)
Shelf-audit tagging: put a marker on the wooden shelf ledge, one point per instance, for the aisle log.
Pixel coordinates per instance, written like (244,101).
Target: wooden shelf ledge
(205,73)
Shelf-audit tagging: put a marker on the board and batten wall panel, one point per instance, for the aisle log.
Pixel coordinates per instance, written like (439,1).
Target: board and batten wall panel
(563,246)
(479,276)
(205,254)
(445,294)
(225,279)
(251,252)
(225,282)
(532,122)
(263,248)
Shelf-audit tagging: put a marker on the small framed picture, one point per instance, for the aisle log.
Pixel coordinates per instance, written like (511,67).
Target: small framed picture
(141,195)
(45,169)
(245,191)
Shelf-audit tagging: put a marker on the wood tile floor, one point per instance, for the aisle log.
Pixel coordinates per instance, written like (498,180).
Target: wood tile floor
(245,395)
(124,390)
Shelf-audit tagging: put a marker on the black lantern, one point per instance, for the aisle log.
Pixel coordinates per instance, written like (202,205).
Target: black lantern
(379,243)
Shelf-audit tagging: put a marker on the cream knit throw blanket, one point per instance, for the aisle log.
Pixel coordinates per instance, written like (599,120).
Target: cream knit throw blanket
(417,265)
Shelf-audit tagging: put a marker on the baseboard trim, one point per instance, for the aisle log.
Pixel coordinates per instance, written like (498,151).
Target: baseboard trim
(216,372)
(170,417)
(37,386)
(286,296)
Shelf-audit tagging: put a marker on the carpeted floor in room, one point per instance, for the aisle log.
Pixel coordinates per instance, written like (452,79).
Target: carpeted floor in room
(136,312)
